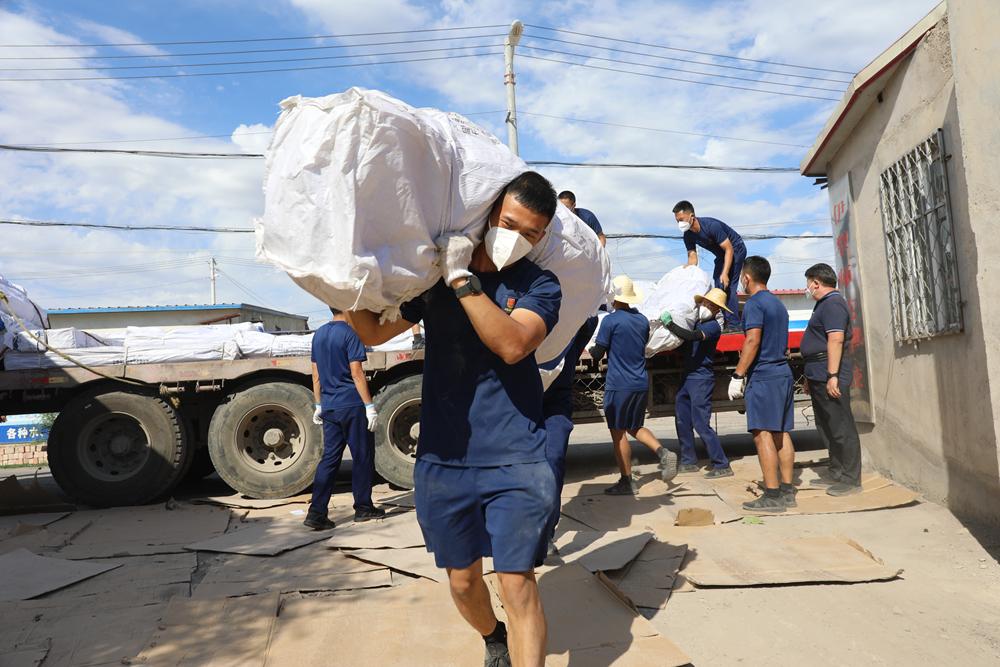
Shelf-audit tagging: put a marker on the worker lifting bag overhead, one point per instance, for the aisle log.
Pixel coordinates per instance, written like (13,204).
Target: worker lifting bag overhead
(358,185)
(674,293)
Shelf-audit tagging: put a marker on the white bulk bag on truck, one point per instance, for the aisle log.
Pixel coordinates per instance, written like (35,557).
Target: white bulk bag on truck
(675,293)
(358,185)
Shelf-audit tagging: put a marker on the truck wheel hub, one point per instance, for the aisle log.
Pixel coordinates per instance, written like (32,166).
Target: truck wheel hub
(274,438)
(270,438)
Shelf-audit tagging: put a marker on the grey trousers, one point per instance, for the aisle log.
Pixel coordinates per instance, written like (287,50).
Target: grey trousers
(836,423)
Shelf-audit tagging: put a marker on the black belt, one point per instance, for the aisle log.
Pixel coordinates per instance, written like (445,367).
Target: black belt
(819,356)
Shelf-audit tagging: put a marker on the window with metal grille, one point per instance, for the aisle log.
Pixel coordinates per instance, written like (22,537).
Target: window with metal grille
(920,244)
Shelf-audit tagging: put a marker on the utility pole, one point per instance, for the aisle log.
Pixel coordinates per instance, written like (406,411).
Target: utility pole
(513,37)
(211,264)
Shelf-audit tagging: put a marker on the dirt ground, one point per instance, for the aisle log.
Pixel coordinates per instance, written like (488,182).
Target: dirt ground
(943,608)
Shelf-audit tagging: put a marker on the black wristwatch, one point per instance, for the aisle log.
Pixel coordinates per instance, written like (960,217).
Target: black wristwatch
(471,286)
(830,375)
(737,376)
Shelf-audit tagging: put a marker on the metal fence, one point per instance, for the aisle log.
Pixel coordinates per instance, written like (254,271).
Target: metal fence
(920,244)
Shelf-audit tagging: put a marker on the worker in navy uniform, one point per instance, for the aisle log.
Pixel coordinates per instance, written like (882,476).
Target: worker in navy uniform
(829,373)
(722,241)
(764,376)
(623,335)
(344,408)
(693,411)
(569,201)
(481,482)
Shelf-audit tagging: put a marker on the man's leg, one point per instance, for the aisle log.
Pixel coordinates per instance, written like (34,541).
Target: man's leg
(472,597)
(684,424)
(786,457)
(523,604)
(361,441)
(822,410)
(845,430)
(767,456)
(732,300)
(623,452)
(557,431)
(329,464)
(701,413)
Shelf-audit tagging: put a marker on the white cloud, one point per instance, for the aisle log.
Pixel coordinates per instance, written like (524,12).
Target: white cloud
(367,16)
(252,138)
(110,35)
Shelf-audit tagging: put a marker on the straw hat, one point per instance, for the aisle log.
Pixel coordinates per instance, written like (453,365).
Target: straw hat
(716,296)
(625,291)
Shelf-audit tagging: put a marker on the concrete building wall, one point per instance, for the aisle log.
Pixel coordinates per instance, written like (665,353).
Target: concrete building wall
(936,411)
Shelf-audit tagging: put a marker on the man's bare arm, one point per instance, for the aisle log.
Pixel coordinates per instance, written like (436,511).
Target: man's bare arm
(317,394)
(511,337)
(360,381)
(692,258)
(727,262)
(365,323)
(751,345)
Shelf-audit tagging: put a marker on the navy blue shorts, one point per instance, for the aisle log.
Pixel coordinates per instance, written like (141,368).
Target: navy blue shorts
(469,513)
(770,403)
(625,409)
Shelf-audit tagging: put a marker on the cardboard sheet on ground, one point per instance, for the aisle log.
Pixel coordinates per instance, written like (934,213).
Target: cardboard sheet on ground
(24,575)
(82,635)
(397,532)
(743,558)
(599,551)
(261,538)
(311,568)
(138,531)
(649,579)
(395,498)
(26,656)
(650,486)
(232,632)
(8,524)
(17,497)
(415,625)
(140,580)
(591,625)
(611,513)
(877,493)
(240,501)
(415,560)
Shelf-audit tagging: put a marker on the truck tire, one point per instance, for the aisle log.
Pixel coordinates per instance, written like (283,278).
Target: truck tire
(118,448)
(263,442)
(397,430)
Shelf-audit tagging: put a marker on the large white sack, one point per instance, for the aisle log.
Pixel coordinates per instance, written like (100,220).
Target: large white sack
(39,340)
(675,293)
(187,336)
(254,344)
(18,302)
(358,185)
(145,353)
(90,356)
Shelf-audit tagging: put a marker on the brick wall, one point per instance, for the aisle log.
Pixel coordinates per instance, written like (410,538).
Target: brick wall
(23,455)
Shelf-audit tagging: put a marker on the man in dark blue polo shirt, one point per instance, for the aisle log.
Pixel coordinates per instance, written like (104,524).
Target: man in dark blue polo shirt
(722,241)
(623,335)
(764,376)
(569,201)
(829,373)
(693,409)
(344,407)
(481,482)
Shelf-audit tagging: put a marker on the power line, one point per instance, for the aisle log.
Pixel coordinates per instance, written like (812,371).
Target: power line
(684,71)
(248,51)
(123,151)
(141,141)
(701,53)
(684,60)
(250,71)
(244,62)
(129,228)
(750,237)
(255,39)
(672,78)
(696,167)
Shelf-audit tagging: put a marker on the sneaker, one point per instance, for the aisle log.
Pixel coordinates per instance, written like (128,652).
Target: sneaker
(368,513)
(826,479)
(319,523)
(668,464)
(716,473)
(766,503)
(623,487)
(497,655)
(843,489)
(685,468)
(788,492)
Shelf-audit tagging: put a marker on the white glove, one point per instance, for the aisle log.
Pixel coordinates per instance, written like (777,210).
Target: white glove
(318,414)
(454,254)
(372,415)
(736,388)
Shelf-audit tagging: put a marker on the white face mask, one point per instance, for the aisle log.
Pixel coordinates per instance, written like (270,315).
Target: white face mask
(704,314)
(505,246)
(683,225)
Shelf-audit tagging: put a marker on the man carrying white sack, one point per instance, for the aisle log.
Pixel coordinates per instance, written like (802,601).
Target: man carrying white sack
(481,482)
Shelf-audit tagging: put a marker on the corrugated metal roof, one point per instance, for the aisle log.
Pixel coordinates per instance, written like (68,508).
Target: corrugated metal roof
(170,308)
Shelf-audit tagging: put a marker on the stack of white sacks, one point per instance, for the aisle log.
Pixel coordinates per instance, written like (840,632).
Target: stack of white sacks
(358,186)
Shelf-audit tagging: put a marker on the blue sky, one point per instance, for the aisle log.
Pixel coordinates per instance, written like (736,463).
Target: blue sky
(80,268)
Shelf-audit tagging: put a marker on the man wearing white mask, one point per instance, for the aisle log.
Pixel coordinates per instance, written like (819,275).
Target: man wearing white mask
(722,241)
(481,482)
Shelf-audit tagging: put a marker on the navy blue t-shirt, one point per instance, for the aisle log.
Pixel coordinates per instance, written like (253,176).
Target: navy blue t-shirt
(479,411)
(698,355)
(830,315)
(625,333)
(711,235)
(765,311)
(334,346)
(590,220)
